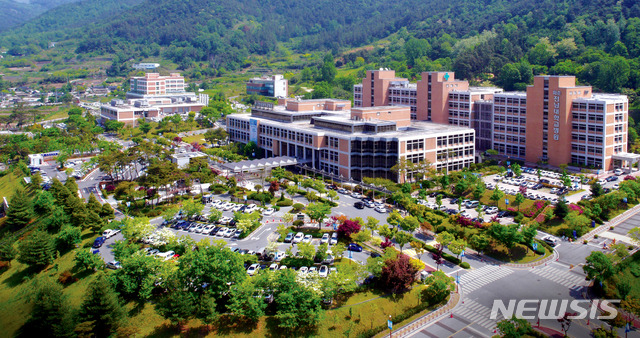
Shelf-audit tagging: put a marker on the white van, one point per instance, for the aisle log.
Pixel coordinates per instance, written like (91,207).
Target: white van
(618,172)
(472,204)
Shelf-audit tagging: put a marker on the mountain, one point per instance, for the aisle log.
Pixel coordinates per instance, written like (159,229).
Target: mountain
(16,12)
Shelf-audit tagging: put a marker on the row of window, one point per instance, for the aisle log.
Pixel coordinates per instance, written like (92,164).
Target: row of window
(521,111)
(286,134)
(329,155)
(589,149)
(459,114)
(587,160)
(403,92)
(265,142)
(237,135)
(332,142)
(461,123)
(590,106)
(583,128)
(456,96)
(509,129)
(451,140)
(459,105)
(404,100)
(584,138)
(510,150)
(415,144)
(509,138)
(240,124)
(508,100)
(443,155)
(373,161)
(592,118)
(509,119)
(415,158)
(454,165)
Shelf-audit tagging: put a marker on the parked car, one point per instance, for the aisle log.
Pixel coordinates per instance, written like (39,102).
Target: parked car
(359,205)
(552,241)
(114,265)
(98,242)
(268,212)
(273,267)
(618,172)
(334,238)
(307,239)
(303,270)
(381,210)
(298,237)
(253,269)
(354,247)
(325,239)
(492,210)
(166,255)
(289,237)
(109,233)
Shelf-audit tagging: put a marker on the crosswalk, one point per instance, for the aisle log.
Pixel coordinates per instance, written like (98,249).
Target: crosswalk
(478,278)
(477,314)
(561,276)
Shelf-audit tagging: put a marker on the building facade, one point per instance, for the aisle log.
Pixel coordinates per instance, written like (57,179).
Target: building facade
(152,84)
(129,111)
(354,142)
(273,86)
(582,128)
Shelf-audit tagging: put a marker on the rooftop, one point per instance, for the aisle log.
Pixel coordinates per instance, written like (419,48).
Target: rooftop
(191,154)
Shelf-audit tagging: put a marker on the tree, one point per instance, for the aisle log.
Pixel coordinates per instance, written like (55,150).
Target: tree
(372,223)
(298,307)
(361,236)
(410,223)
(88,260)
(478,191)
(328,71)
(634,234)
(497,195)
(36,250)
(93,204)
(338,250)
(178,305)
(348,228)
(444,238)
(398,273)
(403,238)
(415,49)
(192,207)
(514,328)
(306,250)
(101,307)
(508,235)
(444,182)
(394,218)
(50,314)
(418,247)
(561,210)
(246,302)
(479,242)
(318,212)
(439,286)
(596,189)
(19,213)
(44,203)
(136,228)
(598,266)
(519,200)
(529,232)
(106,212)
(68,237)
(457,246)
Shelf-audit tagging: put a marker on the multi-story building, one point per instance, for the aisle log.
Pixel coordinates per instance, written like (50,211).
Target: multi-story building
(581,127)
(129,111)
(570,124)
(273,86)
(354,142)
(152,84)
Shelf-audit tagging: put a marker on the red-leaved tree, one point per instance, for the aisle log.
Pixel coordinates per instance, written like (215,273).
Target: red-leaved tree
(398,273)
(348,228)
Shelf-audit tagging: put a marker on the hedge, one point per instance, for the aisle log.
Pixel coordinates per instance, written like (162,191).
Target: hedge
(445,255)
(285,203)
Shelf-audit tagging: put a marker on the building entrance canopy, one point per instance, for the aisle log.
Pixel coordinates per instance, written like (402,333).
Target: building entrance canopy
(627,158)
(261,164)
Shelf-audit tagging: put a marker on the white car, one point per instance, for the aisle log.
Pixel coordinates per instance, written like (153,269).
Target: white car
(313,270)
(618,172)
(229,232)
(269,212)
(491,210)
(199,228)
(237,207)
(109,233)
(432,206)
(225,220)
(253,269)
(325,239)
(381,210)
(273,267)
(356,195)
(298,238)
(369,204)
(324,271)
(334,238)
(228,206)
(237,233)
(303,270)
(207,230)
(307,239)
(222,231)
(166,255)
(250,208)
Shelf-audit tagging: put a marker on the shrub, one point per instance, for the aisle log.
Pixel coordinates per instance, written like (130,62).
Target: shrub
(66,278)
(465,265)
(298,223)
(297,207)
(284,203)
(540,250)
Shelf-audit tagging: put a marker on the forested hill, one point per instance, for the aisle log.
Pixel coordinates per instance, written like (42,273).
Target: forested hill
(15,12)
(224,32)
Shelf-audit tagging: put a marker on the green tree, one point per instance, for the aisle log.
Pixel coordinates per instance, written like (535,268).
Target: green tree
(306,250)
(44,204)
(298,307)
(246,302)
(106,212)
(479,242)
(479,190)
(598,266)
(318,212)
(561,210)
(439,286)
(328,71)
(403,238)
(444,238)
(372,223)
(517,170)
(410,223)
(415,49)
(497,195)
(178,306)
(596,189)
(457,246)
(519,200)
(36,250)
(101,307)
(88,260)
(192,207)
(68,237)
(514,327)
(50,314)
(508,235)
(529,232)
(19,213)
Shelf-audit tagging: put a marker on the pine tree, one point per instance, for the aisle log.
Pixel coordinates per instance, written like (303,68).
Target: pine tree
(93,204)
(93,221)
(59,192)
(77,210)
(36,250)
(19,213)
(44,204)
(71,185)
(50,316)
(101,307)
(107,211)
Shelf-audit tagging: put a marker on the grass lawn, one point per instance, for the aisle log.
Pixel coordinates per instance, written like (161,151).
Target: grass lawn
(8,184)
(194,138)
(486,200)
(519,254)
